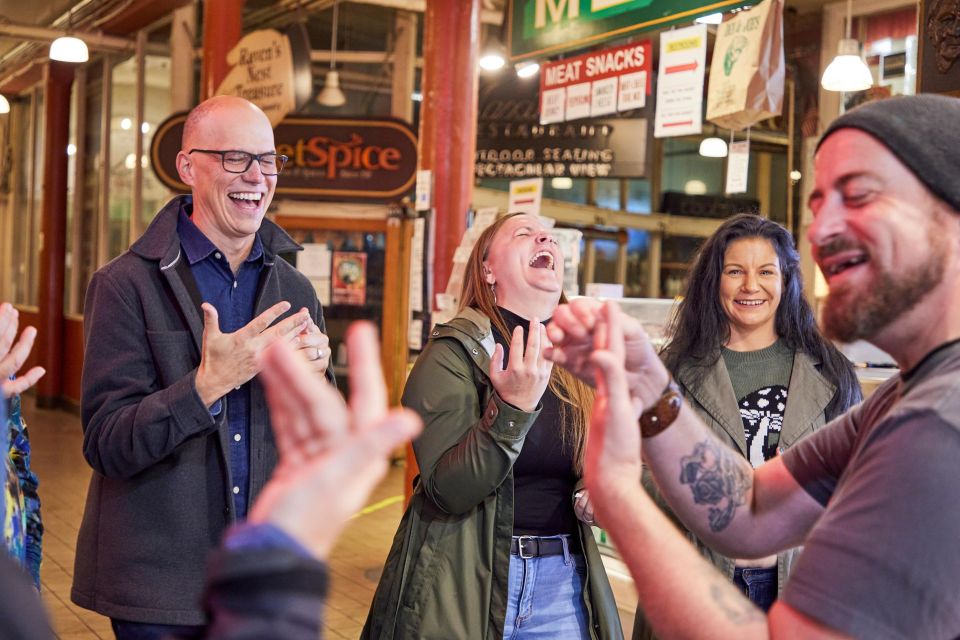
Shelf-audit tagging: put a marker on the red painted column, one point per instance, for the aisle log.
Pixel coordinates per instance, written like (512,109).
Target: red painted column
(58,76)
(448,133)
(448,121)
(222,25)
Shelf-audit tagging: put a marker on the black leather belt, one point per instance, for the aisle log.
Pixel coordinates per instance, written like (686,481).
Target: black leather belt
(534,547)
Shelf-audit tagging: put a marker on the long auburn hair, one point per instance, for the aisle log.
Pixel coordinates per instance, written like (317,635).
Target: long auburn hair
(576,398)
(700,326)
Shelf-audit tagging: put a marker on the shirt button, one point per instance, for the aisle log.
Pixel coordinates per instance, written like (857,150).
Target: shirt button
(236,437)
(234,284)
(217,255)
(236,490)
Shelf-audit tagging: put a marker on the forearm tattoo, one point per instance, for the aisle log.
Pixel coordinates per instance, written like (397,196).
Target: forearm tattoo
(716,478)
(738,610)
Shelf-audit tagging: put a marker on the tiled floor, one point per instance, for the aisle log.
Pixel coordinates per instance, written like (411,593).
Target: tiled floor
(56,437)
(355,563)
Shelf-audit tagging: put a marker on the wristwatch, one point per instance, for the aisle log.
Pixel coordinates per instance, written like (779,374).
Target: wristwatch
(662,414)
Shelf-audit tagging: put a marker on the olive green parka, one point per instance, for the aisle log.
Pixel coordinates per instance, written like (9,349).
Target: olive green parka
(446,574)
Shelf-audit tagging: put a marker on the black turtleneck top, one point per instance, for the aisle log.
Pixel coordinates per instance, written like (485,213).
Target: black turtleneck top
(543,475)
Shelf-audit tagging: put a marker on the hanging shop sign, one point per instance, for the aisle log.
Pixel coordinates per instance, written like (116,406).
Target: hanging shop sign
(539,28)
(683,53)
(747,73)
(341,159)
(595,84)
(271,70)
(511,142)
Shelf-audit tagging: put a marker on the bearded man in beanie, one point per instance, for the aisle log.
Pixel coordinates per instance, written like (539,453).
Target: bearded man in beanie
(871,496)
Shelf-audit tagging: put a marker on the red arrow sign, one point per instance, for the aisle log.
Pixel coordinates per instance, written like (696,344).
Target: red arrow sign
(690,66)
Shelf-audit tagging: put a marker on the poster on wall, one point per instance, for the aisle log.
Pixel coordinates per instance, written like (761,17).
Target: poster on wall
(349,278)
(683,53)
(937,47)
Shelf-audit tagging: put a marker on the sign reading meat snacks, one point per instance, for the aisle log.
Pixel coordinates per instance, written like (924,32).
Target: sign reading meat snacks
(595,84)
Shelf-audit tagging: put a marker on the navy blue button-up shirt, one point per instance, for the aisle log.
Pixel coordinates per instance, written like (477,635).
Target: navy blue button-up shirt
(234,297)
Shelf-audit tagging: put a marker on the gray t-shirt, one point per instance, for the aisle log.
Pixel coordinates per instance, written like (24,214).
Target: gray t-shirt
(883,561)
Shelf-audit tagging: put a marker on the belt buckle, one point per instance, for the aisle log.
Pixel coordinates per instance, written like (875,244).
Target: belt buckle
(520,541)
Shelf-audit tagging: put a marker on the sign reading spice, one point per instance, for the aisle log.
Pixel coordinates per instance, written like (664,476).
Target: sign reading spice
(342,159)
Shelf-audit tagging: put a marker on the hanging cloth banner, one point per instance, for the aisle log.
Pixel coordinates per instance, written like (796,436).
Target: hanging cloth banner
(747,72)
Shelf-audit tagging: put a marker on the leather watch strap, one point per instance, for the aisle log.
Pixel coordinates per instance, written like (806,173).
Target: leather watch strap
(662,414)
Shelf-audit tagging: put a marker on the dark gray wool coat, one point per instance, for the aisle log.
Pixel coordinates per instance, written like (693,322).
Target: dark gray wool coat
(159,499)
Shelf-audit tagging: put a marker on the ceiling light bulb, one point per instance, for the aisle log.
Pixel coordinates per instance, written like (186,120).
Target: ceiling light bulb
(4,104)
(528,69)
(848,71)
(69,49)
(713,18)
(713,148)
(492,62)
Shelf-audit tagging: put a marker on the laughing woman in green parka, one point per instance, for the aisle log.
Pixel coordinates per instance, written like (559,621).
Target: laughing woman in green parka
(493,545)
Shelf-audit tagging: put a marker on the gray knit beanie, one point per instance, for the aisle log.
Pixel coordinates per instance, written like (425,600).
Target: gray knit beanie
(923,131)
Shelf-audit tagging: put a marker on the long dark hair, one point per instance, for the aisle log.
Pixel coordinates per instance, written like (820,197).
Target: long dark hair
(576,398)
(700,326)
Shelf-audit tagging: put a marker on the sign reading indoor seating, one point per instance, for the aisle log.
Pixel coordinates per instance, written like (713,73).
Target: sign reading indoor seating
(511,142)
(595,84)
(341,159)
(538,28)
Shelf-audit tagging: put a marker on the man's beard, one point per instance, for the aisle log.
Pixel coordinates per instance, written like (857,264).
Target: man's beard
(850,314)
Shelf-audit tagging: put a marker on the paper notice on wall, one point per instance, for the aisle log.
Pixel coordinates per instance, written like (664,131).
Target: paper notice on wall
(314,260)
(552,106)
(424,190)
(525,196)
(604,98)
(416,265)
(683,53)
(415,334)
(578,101)
(738,166)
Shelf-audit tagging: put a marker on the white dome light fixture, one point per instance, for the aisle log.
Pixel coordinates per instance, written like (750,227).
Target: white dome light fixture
(713,148)
(492,61)
(4,104)
(69,49)
(847,71)
(528,69)
(713,18)
(331,95)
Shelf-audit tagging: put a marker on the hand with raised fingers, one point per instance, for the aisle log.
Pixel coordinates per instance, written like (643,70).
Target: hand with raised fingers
(612,463)
(229,360)
(314,346)
(573,334)
(527,373)
(14,352)
(332,455)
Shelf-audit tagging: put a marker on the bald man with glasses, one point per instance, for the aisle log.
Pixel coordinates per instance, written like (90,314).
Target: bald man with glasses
(175,420)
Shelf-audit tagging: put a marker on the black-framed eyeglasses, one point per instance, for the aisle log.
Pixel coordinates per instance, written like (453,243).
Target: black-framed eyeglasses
(234,161)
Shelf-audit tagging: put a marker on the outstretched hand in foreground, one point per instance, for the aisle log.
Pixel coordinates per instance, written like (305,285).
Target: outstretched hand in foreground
(14,354)
(331,455)
(612,463)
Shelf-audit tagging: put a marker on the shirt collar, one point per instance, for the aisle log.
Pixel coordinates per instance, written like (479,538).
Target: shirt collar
(197,246)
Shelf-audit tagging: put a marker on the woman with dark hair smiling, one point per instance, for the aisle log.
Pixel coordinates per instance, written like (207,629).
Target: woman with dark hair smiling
(493,544)
(746,352)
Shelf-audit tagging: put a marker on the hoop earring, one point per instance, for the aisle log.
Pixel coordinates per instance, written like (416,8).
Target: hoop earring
(493,290)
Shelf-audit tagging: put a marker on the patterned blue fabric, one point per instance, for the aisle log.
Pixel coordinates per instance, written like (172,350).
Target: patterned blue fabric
(22,526)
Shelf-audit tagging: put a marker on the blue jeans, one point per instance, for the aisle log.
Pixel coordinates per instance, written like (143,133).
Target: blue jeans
(127,630)
(760,585)
(545,598)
